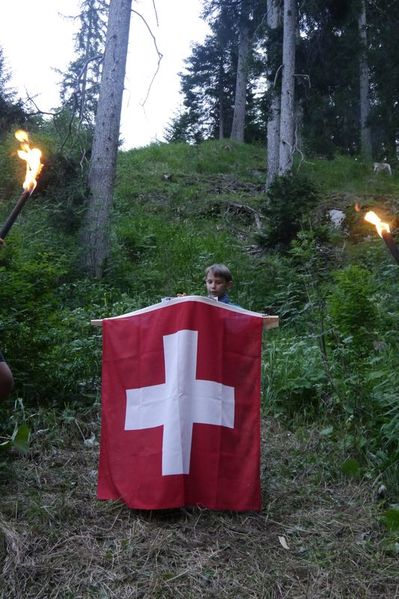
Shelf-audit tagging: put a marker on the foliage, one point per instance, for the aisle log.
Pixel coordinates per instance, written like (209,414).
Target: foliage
(208,80)
(208,90)
(11,110)
(291,199)
(334,359)
(294,380)
(80,85)
(327,77)
(351,309)
(383,54)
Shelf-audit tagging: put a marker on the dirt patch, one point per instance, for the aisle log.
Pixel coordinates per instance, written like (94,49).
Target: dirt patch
(317,536)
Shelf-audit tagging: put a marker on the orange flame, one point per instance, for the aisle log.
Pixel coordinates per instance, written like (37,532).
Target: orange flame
(32,157)
(372,218)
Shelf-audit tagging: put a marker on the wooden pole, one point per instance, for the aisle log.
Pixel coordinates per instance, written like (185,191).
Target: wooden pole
(14,213)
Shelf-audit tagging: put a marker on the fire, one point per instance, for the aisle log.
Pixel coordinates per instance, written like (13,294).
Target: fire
(372,218)
(32,157)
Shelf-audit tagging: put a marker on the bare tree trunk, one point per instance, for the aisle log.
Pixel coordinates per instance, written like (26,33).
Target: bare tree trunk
(287,124)
(221,100)
(106,138)
(365,133)
(273,124)
(237,128)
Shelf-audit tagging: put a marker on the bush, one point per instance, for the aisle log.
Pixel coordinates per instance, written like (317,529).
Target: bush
(291,201)
(351,309)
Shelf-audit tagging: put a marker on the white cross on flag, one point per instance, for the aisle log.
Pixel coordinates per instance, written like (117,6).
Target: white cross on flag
(181,406)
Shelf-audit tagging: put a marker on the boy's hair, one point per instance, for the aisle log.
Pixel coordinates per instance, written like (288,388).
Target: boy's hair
(219,270)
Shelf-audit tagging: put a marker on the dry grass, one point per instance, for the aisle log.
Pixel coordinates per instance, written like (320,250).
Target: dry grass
(317,536)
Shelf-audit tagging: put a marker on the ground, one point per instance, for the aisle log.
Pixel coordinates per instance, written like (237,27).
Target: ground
(318,536)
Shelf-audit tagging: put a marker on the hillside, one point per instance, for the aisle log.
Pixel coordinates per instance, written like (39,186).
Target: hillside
(330,413)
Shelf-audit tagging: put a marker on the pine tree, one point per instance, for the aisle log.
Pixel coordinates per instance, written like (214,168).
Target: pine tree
(81,83)
(213,94)
(273,123)
(327,76)
(364,85)
(207,86)
(383,24)
(106,139)
(240,96)
(11,109)
(286,151)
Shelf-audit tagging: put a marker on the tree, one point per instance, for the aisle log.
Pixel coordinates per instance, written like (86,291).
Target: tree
(383,54)
(273,123)
(81,83)
(237,128)
(327,81)
(207,86)
(106,138)
(213,93)
(11,110)
(286,151)
(365,134)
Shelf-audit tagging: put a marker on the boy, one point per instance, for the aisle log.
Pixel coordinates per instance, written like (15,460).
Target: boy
(218,281)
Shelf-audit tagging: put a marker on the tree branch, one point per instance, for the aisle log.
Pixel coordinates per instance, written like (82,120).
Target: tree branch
(305,76)
(276,75)
(155,12)
(160,55)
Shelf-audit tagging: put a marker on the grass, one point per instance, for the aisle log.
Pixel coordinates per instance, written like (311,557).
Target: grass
(317,536)
(350,175)
(320,534)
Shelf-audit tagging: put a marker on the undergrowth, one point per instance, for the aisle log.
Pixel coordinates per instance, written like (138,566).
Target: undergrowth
(178,208)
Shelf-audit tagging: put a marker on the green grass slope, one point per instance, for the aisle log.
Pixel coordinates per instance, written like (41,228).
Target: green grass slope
(330,421)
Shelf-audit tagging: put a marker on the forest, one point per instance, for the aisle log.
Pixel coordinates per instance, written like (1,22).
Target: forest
(287,137)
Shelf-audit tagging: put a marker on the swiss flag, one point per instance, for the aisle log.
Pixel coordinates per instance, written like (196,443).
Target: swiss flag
(181,406)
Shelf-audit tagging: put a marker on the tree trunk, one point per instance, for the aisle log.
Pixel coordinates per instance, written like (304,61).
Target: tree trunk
(273,124)
(237,128)
(287,89)
(106,139)
(365,133)
(221,100)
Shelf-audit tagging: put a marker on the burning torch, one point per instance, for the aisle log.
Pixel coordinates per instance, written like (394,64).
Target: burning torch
(32,157)
(383,231)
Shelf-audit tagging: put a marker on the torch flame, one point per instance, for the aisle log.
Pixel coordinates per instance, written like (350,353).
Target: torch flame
(32,157)
(372,218)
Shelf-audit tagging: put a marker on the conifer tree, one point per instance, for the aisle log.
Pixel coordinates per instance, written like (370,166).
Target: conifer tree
(81,83)
(217,85)
(273,122)
(237,128)
(208,82)
(11,109)
(106,139)
(287,112)
(365,133)
(382,35)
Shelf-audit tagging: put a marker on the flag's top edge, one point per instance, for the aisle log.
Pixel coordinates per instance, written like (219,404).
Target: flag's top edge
(187,298)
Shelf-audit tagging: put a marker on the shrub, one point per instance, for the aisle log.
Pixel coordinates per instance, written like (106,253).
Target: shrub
(291,200)
(351,309)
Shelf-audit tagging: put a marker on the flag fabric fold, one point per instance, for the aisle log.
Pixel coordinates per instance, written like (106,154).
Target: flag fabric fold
(181,407)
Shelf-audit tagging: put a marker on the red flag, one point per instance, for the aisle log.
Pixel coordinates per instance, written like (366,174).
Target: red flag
(181,406)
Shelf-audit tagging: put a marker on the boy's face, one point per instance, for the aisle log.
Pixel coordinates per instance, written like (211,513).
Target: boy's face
(216,286)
